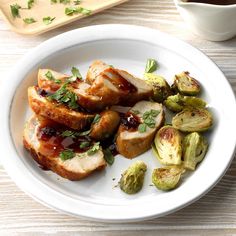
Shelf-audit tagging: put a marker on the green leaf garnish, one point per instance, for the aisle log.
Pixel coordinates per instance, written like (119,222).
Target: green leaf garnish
(65,1)
(30,3)
(109,158)
(96,119)
(94,149)
(53,1)
(76,74)
(84,144)
(148,120)
(29,20)
(15,10)
(66,154)
(142,128)
(84,133)
(77,2)
(151,66)
(48,20)
(69,133)
(50,76)
(74,10)
(64,96)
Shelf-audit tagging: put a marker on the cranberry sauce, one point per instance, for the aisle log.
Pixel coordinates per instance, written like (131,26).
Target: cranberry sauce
(120,82)
(130,121)
(53,139)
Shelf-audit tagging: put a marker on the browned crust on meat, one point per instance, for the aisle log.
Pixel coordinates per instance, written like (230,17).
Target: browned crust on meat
(52,164)
(58,113)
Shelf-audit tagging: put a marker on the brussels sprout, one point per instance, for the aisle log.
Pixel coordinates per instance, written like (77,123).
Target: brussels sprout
(177,102)
(167,178)
(161,88)
(193,120)
(194,149)
(132,179)
(168,148)
(186,85)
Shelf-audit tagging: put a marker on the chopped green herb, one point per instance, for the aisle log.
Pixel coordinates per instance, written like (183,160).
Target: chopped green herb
(84,144)
(109,158)
(69,133)
(142,128)
(53,1)
(96,119)
(30,3)
(74,10)
(94,149)
(84,133)
(65,1)
(136,112)
(77,2)
(151,66)
(15,10)
(76,74)
(29,20)
(50,76)
(48,20)
(64,96)
(66,154)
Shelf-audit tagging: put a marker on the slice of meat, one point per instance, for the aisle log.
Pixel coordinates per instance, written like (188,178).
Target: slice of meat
(57,112)
(95,70)
(106,125)
(79,167)
(130,141)
(50,80)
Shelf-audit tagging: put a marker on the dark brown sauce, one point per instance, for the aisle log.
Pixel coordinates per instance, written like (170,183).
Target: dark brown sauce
(52,143)
(43,92)
(215,2)
(117,80)
(130,121)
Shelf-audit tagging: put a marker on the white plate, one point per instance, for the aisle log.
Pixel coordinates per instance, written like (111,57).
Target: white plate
(126,47)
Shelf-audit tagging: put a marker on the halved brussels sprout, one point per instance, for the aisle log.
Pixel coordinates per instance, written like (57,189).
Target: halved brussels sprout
(161,88)
(177,102)
(194,149)
(193,120)
(132,179)
(167,178)
(186,85)
(168,148)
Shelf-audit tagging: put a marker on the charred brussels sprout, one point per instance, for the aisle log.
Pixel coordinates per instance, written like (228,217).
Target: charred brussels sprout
(132,179)
(176,103)
(186,85)
(168,148)
(161,88)
(193,120)
(194,149)
(167,178)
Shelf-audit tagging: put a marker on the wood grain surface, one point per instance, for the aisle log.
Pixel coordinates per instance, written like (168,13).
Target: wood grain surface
(214,214)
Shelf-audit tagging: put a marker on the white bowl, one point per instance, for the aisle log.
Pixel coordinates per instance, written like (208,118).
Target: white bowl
(211,22)
(126,47)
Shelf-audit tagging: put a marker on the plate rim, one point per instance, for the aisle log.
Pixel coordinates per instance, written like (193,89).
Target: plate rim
(52,45)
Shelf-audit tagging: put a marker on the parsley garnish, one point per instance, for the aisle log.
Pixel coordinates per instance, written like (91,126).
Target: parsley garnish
(75,74)
(148,120)
(74,10)
(94,149)
(64,96)
(66,154)
(84,133)
(96,119)
(84,144)
(53,1)
(48,20)
(50,76)
(77,2)
(151,66)
(30,3)
(65,1)
(109,158)
(29,20)
(69,133)
(15,10)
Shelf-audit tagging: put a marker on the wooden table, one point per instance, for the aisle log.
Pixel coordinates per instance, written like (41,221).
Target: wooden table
(214,214)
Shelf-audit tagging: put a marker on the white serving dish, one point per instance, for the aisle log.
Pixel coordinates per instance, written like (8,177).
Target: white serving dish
(126,47)
(211,22)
